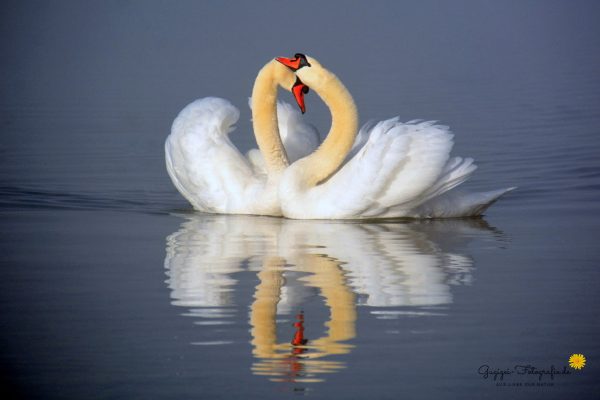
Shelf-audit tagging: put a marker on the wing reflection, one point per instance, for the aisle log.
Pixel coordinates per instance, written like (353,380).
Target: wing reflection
(395,264)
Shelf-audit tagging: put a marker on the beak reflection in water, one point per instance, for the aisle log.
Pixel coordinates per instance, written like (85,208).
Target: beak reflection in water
(301,360)
(398,268)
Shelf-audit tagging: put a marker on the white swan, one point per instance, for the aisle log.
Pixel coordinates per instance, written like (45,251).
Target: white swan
(393,170)
(211,173)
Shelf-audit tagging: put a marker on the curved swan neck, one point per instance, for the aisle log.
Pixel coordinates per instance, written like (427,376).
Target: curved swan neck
(264,118)
(326,160)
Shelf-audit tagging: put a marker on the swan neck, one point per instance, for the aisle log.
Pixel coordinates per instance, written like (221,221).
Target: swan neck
(264,119)
(328,158)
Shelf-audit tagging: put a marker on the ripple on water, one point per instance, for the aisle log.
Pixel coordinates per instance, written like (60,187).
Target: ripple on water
(31,197)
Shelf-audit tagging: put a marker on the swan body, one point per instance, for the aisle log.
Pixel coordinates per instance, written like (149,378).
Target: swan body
(211,173)
(393,169)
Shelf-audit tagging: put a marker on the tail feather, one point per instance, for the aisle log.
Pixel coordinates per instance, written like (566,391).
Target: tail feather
(456,204)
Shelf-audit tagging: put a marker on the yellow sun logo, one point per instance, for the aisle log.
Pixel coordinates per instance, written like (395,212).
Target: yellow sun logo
(577,361)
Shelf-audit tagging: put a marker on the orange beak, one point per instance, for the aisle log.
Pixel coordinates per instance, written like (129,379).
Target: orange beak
(291,63)
(295,63)
(299,90)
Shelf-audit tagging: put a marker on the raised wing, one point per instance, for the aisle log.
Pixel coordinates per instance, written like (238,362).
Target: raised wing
(207,169)
(397,164)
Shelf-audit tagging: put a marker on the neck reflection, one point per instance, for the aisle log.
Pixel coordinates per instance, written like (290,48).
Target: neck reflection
(299,360)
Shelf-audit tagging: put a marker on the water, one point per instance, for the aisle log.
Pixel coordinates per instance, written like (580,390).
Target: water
(113,288)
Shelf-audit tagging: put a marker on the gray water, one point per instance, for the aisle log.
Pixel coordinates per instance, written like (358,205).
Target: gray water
(112,287)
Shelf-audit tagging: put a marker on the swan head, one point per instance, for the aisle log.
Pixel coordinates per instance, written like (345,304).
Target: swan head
(290,81)
(309,70)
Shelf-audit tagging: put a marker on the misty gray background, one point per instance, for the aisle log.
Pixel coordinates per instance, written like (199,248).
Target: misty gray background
(82,80)
(89,89)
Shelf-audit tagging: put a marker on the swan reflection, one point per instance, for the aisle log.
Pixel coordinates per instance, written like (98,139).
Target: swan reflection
(412,265)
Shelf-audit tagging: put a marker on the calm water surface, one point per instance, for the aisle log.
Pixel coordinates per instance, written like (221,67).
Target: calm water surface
(112,287)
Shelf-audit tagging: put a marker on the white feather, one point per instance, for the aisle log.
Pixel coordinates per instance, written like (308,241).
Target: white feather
(211,173)
(208,170)
(394,170)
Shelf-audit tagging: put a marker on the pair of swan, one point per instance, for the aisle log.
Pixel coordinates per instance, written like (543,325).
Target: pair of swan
(385,170)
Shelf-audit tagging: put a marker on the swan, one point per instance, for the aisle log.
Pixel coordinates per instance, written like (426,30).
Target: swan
(212,174)
(386,170)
